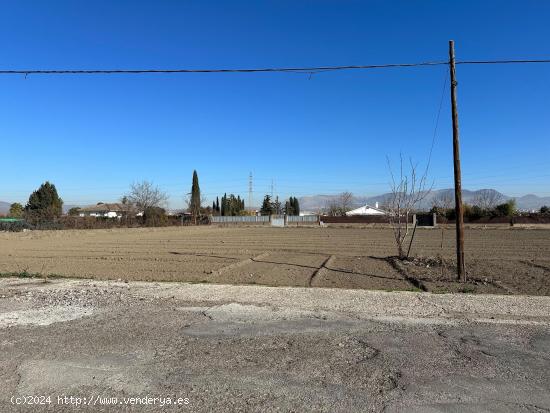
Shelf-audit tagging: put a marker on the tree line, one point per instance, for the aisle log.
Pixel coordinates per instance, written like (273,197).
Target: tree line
(149,201)
(275,207)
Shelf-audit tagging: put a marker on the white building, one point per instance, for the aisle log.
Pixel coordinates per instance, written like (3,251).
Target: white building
(367,210)
(104,210)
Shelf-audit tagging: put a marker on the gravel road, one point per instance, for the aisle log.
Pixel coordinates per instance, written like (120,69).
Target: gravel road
(112,344)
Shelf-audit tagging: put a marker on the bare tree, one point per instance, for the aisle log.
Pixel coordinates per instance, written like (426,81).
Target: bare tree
(487,198)
(444,200)
(332,209)
(145,195)
(346,201)
(407,191)
(338,207)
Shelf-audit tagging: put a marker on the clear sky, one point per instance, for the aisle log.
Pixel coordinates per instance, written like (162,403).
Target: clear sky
(93,135)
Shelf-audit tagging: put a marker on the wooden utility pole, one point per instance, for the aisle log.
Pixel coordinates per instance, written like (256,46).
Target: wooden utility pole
(461,271)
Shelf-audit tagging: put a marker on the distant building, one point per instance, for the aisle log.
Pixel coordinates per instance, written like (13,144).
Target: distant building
(104,210)
(367,210)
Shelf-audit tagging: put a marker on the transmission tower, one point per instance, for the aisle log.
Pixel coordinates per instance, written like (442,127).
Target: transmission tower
(250,190)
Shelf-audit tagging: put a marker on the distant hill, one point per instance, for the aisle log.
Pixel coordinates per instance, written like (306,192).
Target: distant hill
(526,202)
(4,207)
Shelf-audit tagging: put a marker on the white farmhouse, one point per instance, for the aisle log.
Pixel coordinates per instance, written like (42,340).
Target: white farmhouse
(367,210)
(104,210)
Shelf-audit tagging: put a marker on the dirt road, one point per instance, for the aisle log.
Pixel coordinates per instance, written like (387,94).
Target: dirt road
(251,348)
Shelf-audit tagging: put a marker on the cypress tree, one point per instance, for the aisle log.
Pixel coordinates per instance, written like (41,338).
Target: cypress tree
(223,211)
(195,203)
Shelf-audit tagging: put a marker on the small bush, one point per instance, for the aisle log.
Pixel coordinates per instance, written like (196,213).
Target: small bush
(15,226)
(154,217)
(49,225)
(507,209)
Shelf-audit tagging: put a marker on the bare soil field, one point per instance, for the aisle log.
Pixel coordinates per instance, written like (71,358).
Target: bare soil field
(501,261)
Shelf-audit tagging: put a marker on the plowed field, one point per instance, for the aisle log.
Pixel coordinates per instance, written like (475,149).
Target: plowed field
(502,261)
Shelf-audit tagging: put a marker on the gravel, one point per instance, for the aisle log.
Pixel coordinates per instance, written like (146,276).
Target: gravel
(251,348)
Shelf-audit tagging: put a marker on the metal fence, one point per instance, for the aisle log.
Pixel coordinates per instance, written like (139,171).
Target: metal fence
(236,220)
(264,219)
(306,219)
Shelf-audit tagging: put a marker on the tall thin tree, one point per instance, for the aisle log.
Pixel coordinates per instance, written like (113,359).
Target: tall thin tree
(195,202)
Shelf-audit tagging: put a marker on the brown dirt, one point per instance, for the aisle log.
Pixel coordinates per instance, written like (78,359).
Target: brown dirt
(502,261)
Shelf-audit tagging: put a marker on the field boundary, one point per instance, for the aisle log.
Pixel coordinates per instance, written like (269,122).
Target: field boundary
(318,270)
(240,263)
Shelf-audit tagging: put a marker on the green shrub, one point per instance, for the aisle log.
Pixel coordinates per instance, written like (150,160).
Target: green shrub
(507,209)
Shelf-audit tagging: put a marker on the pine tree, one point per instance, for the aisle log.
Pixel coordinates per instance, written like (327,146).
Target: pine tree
(44,203)
(195,203)
(16,210)
(267,208)
(217,204)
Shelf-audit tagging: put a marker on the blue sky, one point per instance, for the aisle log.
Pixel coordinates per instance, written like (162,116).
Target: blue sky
(93,135)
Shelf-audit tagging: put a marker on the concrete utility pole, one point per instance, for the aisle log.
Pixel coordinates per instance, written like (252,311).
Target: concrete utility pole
(461,271)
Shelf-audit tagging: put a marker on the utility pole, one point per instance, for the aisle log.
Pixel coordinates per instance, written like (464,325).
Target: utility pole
(461,272)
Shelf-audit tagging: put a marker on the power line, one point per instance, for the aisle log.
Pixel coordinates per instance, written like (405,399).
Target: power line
(254,70)
(310,70)
(500,62)
(437,122)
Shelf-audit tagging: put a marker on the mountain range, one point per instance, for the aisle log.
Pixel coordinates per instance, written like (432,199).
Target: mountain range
(527,202)
(317,202)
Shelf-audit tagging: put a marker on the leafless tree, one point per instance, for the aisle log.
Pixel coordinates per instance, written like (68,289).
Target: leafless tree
(145,195)
(346,201)
(487,198)
(408,189)
(444,200)
(338,206)
(332,209)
